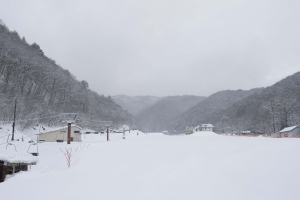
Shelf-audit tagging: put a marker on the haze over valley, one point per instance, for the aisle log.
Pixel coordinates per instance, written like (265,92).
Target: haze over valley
(149,100)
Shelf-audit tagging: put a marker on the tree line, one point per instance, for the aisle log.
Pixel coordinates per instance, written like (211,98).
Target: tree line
(43,88)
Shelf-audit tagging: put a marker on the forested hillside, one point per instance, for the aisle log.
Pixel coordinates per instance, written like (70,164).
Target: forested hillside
(265,110)
(43,88)
(201,113)
(159,116)
(269,111)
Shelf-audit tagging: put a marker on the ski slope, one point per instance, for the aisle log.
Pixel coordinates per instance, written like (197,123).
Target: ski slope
(152,166)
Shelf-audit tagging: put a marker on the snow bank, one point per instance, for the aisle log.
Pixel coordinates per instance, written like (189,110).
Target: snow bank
(151,166)
(14,157)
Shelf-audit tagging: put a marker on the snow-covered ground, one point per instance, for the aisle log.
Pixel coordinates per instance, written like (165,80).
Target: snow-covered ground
(155,166)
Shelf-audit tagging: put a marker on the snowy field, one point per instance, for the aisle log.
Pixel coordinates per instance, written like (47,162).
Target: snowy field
(158,167)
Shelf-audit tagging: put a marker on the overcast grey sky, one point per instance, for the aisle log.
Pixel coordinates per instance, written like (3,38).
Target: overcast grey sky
(164,47)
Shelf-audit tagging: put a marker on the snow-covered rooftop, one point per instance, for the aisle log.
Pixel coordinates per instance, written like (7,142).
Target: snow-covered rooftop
(207,125)
(14,157)
(58,128)
(288,129)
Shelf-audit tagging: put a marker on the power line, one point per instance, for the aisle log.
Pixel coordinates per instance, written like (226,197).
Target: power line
(4,135)
(87,122)
(21,120)
(4,143)
(95,121)
(28,136)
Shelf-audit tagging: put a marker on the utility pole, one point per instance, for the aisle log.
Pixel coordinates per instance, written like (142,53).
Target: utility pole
(107,132)
(123,133)
(69,133)
(14,123)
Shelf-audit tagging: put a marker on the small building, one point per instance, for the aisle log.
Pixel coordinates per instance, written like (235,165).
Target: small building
(13,162)
(198,128)
(88,131)
(206,127)
(245,132)
(292,131)
(189,130)
(61,134)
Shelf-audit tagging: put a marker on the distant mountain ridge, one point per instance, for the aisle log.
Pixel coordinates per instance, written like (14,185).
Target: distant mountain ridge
(263,110)
(159,116)
(215,102)
(269,111)
(43,88)
(135,104)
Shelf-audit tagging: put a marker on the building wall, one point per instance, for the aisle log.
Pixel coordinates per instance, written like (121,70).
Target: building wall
(53,136)
(294,132)
(207,129)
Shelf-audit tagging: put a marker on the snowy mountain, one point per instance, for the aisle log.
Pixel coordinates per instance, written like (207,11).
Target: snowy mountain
(159,116)
(135,104)
(264,110)
(201,112)
(43,88)
(271,110)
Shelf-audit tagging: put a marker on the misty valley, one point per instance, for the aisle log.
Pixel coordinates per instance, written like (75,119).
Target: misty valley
(149,100)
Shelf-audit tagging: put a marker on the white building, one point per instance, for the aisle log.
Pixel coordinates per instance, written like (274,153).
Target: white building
(292,131)
(206,127)
(60,134)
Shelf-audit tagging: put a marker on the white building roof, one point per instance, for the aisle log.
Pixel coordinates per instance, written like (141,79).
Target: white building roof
(207,125)
(245,131)
(58,128)
(14,157)
(288,129)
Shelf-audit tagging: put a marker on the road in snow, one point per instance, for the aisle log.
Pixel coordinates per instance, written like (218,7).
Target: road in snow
(155,166)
